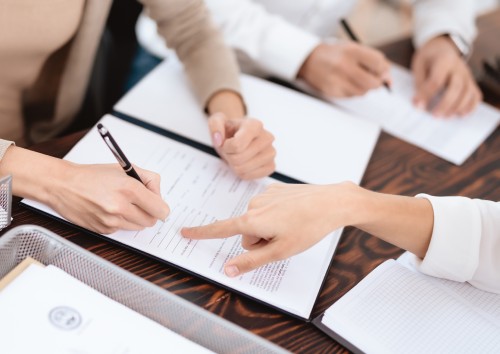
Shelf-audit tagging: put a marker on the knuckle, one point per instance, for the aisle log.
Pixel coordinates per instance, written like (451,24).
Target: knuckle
(276,253)
(150,222)
(253,203)
(239,170)
(250,262)
(106,230)
(258,124)
(112,209)
(434,83)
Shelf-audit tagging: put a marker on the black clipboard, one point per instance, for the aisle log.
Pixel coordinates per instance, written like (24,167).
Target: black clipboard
(211,151)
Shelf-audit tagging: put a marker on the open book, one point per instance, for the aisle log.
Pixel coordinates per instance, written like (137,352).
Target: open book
(200,188)
(396,309)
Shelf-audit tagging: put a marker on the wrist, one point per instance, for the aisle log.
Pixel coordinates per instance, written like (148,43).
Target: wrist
(228,102)
(35,176)
(443,43)
(308,64)
(347,204)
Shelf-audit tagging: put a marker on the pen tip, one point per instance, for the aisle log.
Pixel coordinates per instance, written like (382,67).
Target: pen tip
(101,129)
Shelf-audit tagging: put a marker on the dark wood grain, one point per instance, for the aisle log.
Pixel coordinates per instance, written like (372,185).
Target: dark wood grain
(396,167)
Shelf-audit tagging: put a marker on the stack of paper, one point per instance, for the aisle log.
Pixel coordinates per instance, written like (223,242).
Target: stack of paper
(45,310)
(454,139)
(315,142)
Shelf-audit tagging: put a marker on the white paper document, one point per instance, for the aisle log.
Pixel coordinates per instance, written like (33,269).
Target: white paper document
(315,142)
(453,139)
(45,310)
(200,188)
(398,310)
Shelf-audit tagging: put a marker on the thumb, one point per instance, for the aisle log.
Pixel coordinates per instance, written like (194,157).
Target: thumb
(251,260)
(216,125)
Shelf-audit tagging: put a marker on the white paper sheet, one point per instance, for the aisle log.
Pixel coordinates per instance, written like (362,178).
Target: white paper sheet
(395,310)
(45,310)
(200,188)
(315,142)
(453,139)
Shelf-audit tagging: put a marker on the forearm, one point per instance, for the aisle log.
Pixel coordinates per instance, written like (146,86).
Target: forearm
(405,222)
(187,28)
(277,46)
(228,102)
(34,174)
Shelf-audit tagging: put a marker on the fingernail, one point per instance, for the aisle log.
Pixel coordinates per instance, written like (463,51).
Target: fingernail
(217,139)
(232,271)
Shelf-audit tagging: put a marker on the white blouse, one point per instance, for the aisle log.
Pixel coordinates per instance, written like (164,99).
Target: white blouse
(465,244)
(274,37)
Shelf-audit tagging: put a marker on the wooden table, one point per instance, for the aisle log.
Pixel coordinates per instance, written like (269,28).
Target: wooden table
(396,167)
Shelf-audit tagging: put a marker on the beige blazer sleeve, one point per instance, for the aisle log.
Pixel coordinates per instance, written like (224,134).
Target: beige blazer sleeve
(187,27)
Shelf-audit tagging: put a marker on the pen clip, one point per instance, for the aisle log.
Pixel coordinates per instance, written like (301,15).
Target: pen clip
(108,142)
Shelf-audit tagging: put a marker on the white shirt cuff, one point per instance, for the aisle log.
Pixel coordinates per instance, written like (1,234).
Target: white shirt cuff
(455,243)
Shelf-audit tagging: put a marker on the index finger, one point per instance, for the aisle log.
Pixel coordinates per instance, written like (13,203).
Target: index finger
(218,229)
(149,201)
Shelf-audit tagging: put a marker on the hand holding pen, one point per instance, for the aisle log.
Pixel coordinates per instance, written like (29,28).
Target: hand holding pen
(355,38)
(115,201)
(340,69)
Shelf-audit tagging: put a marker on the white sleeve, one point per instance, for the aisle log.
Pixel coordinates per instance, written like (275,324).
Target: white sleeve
(465,243)
(273,44)
(436,17)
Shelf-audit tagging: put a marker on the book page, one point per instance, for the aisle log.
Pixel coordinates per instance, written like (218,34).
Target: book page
(453,139)
(396,310)
(315,142)
(45,310)
(484,301)
(200,188)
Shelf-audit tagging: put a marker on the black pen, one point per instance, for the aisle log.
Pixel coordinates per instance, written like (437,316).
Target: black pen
(355,38)
(115,149)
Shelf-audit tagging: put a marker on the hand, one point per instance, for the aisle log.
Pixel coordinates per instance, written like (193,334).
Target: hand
(440,71)
(244,144)
(281,222)
(345,69)
(102,198)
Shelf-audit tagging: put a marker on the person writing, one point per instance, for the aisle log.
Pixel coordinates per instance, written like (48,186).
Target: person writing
(46,56)
(300,40)
(451,237)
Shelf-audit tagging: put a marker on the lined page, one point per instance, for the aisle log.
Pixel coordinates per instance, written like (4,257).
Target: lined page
(200,189)
(453,139)
(396,310)
(482,300)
